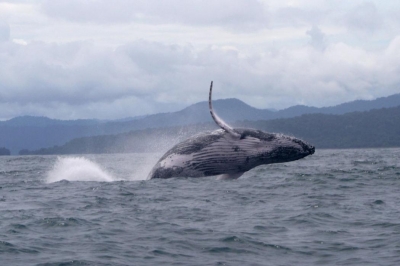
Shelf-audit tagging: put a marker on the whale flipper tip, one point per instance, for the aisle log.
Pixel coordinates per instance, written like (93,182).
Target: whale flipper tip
(221,123)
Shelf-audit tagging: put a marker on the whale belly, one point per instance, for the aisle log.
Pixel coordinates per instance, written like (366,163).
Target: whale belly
(207,155)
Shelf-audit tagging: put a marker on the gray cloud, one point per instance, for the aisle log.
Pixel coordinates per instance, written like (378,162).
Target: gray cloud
(79,79)
(364,17)
(4,31)
(230,13)
(156,56)
(317,38)
(298,17)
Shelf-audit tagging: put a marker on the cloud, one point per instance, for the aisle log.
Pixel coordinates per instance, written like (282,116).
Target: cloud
(364,18)
(4,31)
(79,79)
(227,13)
(112,59)
(297,16)
(317,38)
(82,80)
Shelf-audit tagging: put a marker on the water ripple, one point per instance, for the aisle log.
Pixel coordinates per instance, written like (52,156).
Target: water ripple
(337,207)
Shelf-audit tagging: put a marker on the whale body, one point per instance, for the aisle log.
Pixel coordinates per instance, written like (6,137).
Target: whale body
(228,152)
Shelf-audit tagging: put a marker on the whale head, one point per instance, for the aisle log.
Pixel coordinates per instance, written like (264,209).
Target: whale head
(266,148)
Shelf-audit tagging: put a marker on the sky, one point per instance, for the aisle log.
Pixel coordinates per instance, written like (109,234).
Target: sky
(76,59)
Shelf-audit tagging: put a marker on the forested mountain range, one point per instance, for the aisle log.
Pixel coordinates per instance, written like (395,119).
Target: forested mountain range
(371,129)
(32,133)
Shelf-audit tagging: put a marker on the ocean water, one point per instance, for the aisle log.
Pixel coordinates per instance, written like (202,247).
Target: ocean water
(336,207)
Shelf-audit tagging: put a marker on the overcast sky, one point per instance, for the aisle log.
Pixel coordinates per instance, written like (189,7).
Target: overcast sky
(105,59)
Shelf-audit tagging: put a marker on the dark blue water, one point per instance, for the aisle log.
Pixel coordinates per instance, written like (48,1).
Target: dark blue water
(337,207)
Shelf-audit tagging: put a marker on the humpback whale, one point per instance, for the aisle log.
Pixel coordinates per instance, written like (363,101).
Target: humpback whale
(228,152)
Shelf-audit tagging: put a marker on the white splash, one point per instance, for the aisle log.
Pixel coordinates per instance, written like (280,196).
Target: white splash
(77,169)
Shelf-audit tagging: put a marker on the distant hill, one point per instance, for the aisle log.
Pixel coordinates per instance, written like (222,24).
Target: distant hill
(232,110)
(4,151)
(354,106)
(32,133)
(371,129)
(376,128)
(41,121)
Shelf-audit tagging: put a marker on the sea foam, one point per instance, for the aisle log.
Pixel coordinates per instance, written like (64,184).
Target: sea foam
(77,169)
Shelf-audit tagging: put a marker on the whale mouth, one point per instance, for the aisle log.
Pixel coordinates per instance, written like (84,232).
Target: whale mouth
(311,150)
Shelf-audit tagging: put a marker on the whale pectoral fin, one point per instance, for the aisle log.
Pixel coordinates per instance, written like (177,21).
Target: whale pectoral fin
(230,176)
(221,123)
